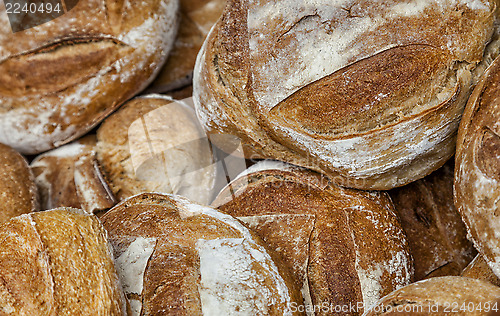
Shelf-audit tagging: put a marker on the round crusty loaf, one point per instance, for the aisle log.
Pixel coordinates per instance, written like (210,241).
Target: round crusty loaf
(450,295)
(18,192)
(479,269)
(477,171)
(175,257)
(345,247)
(155,144)
(196,19)
(69,176)
(61,78)
(435,231)
(368,92)
(58,262)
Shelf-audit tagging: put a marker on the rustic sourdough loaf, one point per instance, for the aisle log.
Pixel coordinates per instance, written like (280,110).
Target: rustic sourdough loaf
(61,78)
(196,19)
(479,269)
(58,262)
(368,92)
(175,257)
(449,295)
(155,144)
(434,229)
(344,246)
(18,192)
(70,176)
(477,171)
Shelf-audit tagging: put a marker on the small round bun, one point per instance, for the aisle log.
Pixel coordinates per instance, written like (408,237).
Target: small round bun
(177,256)
(61,78)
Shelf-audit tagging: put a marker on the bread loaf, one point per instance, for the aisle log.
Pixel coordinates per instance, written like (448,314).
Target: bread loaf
(175,257)
(196,19)
(368,92)
(477,171)
(441,296)
(479,269)
(18,192)
(61,78)
(345,247)
(434,229)
(154,144)
(69,176)
(58,263)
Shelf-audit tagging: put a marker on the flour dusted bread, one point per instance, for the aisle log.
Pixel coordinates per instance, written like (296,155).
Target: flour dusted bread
(477,171)
(58,262)
(345,247)
(18,192)
(435,231)
(175,257)
(155,144)
(368,92)
(61,78)
(70,176)
(441,296)
(196,19)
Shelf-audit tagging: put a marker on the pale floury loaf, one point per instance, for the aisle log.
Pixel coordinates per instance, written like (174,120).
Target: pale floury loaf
(368,92)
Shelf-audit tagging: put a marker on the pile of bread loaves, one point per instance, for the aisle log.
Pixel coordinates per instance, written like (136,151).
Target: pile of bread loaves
(240,157)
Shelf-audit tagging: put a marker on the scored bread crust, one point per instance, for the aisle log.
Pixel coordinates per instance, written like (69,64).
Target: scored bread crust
(19,194)
(196,261)
(344,246)
(69,176)
(368,93)
(58,262)
(155,144)
(61,78)
(477,176)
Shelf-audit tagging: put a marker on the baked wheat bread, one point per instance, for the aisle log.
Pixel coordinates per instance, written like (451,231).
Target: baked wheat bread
(155,144)
(345,247)
(61,78)
(58,262)
(196,19)
(176,257)
(18,192)
(441,296)
(477,171)
(479,269)
(69,176)
(368,92)
(435,231)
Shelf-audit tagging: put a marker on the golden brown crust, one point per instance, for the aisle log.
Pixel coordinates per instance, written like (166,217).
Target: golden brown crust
(353,235)
(58,262)
(18,188)
(116,49)
(477,180)
(440,296)
(434,229)
(479,269)
(176,273)
(375,129)
(155,144)
(69,177)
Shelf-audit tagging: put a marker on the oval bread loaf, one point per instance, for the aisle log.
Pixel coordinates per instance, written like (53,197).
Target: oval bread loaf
(176,257)
(18,191)
(61,78)
(58,262)
(369,93)
(477,172)
(345,247)
(155,144)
